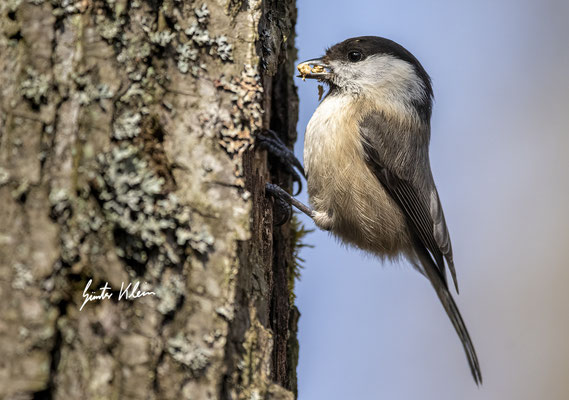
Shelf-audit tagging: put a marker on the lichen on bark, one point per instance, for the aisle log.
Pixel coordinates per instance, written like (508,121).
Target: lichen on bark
(127,132)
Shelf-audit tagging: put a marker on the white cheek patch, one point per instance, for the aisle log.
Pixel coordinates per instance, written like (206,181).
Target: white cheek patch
(389,82)
(380,75)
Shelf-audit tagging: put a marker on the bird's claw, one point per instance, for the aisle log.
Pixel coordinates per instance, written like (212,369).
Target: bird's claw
(270,141)
(283,206)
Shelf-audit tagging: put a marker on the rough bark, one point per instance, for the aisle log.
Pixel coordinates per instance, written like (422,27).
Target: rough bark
(127,154)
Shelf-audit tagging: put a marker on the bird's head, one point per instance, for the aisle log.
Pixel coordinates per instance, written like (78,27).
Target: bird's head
(374,67)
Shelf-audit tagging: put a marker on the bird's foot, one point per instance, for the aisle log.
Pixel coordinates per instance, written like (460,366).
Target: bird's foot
(282,209)
(270,141)
(284,201)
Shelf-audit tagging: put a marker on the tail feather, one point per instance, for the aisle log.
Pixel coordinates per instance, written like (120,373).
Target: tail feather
(432,273)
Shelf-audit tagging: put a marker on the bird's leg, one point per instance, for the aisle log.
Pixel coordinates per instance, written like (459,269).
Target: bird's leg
(323,220)
(270,141)
(282,197)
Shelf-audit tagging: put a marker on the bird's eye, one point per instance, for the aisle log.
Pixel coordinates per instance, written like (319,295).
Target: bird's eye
(354,56)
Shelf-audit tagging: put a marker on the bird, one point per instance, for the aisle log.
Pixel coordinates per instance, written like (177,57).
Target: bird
(366,163)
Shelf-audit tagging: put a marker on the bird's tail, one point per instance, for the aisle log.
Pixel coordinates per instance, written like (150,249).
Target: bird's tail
(433,274)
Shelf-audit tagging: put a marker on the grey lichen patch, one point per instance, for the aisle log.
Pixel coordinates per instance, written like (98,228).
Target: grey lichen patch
(109,26)
(131,55)
(96,93)
(224,49)
(108,29)
(162,38)
(199,34)
(67,7)
(247,114)
(127,126)
(189,354)
(36,86)
(202,13)
(77,219)
(170,292)
(189,38)
(4,176)
(199,37)
(90,92)
(60,202)
(12,5)
(140,94)
(146,218)
(226,311)
(23,276)
(201,239)
(186,55)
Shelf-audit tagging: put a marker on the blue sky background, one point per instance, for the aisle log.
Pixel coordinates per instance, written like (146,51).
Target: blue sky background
(499,148)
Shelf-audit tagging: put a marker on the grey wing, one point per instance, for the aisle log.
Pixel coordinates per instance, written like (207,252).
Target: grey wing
(400,161)
(440,232)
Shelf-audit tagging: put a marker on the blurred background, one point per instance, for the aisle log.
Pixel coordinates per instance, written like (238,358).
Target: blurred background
(499,148)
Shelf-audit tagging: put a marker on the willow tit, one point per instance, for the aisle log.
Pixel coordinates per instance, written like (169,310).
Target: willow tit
(366,157)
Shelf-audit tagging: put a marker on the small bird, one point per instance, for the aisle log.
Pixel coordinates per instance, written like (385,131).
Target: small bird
(366,157)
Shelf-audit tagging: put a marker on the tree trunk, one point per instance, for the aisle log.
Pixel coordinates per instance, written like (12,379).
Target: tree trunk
(127,155)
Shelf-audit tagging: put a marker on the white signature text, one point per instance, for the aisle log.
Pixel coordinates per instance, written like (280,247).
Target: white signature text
(130,292)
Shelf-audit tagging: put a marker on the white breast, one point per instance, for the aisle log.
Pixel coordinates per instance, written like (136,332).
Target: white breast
(322,132)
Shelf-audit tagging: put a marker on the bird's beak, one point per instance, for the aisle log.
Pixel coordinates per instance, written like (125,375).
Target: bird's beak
(314,69)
